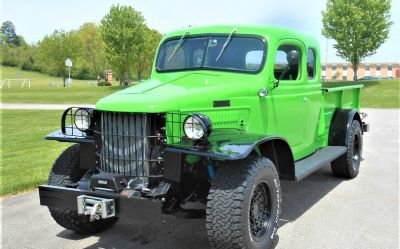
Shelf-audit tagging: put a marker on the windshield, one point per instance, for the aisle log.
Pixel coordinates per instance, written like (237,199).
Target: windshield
(240,54)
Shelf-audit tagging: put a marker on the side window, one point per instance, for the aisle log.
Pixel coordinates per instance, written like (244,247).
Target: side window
(254,59)
(310,63)
(287,63)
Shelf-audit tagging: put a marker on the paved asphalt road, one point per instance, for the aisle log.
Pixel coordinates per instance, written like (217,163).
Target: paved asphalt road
(319,212)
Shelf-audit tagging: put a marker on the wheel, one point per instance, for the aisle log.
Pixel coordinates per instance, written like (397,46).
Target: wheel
(244,205)
(348,165)
(65,171)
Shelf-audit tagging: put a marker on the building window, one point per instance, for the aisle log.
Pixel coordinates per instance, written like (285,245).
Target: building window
(344,77)
(378,67)
(367,67)
(323,68)
(344,67)
(310,63)
(334,67)
(390,67)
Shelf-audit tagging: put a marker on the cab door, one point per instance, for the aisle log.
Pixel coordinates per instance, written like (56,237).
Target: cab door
(287,105)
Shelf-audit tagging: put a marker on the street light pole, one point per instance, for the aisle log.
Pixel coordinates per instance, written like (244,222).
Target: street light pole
(68,63)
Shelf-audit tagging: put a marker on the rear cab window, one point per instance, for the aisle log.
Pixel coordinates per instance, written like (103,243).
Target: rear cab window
(311,66)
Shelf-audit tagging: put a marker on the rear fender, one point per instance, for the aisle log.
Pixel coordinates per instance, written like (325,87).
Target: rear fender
(340,125)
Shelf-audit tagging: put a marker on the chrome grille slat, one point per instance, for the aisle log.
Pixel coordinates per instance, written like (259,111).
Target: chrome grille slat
(124,145)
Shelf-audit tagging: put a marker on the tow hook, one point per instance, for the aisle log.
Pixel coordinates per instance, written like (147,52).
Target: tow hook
(92,213)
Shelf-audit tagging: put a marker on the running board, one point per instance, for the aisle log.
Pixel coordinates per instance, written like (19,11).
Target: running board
(317,160)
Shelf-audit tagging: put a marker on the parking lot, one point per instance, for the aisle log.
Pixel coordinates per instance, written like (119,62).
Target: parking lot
(319,212)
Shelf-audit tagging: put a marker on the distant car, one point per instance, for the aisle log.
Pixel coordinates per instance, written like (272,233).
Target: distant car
(369,78)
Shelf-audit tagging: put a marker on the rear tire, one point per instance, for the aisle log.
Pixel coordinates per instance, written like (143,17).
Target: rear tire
(348,165)
(244,205)
(66,170)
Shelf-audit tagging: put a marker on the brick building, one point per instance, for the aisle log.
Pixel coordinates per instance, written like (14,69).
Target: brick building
(344,71)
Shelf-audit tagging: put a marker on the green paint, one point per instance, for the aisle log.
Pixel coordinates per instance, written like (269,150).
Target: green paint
(300,110)
(191,159)
(257,150)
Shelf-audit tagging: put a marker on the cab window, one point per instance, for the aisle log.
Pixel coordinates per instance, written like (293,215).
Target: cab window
(310,63)
(287,63)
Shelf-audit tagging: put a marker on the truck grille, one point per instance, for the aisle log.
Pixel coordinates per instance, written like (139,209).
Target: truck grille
(129,144)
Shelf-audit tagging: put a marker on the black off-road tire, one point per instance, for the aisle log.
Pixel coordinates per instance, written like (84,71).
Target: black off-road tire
(348,165)
(65,171)
(234,201)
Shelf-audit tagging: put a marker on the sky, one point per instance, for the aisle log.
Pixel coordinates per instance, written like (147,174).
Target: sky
(35,19)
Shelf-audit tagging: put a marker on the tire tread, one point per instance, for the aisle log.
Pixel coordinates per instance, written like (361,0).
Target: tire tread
(65,171)
(225,202)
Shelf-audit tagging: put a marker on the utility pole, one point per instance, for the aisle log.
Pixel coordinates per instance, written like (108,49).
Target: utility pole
(326,52)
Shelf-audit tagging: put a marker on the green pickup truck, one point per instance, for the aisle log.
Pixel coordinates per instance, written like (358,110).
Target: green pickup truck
(228,112)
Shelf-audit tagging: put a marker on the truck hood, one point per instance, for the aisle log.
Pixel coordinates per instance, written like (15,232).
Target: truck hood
(169,94)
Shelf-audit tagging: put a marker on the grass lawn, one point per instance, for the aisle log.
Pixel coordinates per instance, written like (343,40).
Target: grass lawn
(26,157)
(377,93)
(381,93)
(41,92)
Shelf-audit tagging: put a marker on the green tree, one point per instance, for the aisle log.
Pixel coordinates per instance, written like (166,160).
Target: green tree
(8,30)
(359,27)
(92,47)
(3,39)
(146,52)
(28,59)
(54,49)
(122,30)
(9,55)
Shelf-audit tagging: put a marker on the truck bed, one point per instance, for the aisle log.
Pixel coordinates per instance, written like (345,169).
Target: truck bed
(338,96)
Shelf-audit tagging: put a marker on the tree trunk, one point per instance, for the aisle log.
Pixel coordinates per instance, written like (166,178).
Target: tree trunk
(139,75)
(355,69)
(139,72)
(121,79)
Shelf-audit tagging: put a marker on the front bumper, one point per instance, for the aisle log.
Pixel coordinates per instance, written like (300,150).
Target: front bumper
(125,207)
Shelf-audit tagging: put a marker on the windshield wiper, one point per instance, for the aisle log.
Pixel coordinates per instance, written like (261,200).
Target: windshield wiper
(178,45)
(225,44)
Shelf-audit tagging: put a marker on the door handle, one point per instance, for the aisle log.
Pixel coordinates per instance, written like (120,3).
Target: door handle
(305,99)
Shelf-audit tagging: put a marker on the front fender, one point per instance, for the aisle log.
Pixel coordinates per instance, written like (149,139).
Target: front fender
(60,136)
(225,144)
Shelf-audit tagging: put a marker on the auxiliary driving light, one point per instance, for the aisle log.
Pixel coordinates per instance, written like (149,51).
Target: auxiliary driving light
(197,126)
(82,119)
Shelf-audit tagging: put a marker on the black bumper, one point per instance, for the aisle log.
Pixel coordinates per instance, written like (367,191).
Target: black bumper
(132,208)
(365,127)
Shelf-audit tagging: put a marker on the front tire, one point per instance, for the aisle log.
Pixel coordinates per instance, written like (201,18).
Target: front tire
(244,205)
(348,165)
(66,170)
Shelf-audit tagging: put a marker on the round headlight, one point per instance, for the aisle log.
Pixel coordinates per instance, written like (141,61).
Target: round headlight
(197,126)
(82,119)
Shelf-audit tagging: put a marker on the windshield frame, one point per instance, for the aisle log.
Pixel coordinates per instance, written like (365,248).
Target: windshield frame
(207,35)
